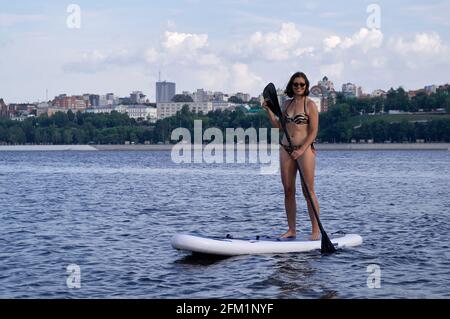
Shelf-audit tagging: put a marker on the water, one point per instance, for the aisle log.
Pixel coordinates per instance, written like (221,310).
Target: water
(113,214)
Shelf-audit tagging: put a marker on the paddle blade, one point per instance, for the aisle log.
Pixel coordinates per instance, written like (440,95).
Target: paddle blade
(270,95)
(327,246)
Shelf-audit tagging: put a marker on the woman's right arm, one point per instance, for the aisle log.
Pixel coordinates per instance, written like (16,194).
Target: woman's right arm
(272,118)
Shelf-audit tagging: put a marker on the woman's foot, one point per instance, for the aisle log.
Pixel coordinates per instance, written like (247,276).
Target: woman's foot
(314,236)
(289,234)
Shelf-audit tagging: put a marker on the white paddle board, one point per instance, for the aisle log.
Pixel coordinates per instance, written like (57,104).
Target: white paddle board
(263,245)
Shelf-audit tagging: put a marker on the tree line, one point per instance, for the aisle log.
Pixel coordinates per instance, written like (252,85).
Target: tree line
(336,125)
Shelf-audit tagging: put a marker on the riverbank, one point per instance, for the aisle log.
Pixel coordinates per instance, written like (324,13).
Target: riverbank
(168,147)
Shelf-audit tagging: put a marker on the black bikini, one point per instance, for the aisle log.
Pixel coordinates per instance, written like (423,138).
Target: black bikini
(299,119)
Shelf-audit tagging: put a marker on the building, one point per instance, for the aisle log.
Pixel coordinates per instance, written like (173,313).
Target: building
(319,95)
(349,90)
(137,112)
(165,91)
(359,92)
(51,110)
(75,102)
(42,108)
(218,97)
(4,112)
(100,109)
(94,100)
(110,99)
(378,93)
(221,105)
(327,84)
(323,94)
(200,96)
(429,89)
(141,112)
(243,96)
(137,97)
(412,94)
(171,108)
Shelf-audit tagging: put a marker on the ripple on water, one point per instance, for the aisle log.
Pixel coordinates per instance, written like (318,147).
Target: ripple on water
(113,214)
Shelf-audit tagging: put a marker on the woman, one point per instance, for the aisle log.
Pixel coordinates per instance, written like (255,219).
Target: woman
(302,123)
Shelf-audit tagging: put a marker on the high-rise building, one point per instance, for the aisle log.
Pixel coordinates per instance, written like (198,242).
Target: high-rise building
(327,84)
(430,89)
(3,109)
(165,91)
(243,96)
(359,92)
(349,90)
(94,100)
(137,97)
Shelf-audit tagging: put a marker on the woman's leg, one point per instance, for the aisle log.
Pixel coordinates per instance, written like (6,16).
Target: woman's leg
(308,165)
(288,175)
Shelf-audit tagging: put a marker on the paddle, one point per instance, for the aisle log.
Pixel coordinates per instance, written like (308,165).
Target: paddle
(270,96)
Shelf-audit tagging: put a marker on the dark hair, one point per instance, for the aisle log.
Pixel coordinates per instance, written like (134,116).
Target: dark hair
(290,91)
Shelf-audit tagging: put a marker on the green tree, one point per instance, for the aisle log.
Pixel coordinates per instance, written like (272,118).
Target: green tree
(68,136)
(70,116)
(16,135)
(235,99)
(182,98)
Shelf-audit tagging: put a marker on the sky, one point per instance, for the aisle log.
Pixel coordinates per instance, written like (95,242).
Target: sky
(231,46)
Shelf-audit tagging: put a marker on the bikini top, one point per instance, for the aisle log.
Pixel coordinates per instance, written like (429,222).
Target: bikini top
(300,118)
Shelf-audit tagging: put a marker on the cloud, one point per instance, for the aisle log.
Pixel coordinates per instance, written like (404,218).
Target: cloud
(424,50)
(244,79)
(331,42)
(423,43)
(272,46)
(174,41)
(365,39)
(304,51)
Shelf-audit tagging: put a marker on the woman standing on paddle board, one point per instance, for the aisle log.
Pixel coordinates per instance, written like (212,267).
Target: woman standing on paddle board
(302,123)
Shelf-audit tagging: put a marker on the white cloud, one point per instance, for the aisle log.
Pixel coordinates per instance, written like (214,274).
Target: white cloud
(331,42)
(186,49)
(424,43)
(304,51)
(244,79)
(184,41)
(364,38)
(273,46)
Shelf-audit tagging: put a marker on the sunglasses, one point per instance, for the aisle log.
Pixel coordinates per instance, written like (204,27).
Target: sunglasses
(296,84)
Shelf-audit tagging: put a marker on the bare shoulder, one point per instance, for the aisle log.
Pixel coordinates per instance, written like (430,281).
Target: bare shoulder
(312,106)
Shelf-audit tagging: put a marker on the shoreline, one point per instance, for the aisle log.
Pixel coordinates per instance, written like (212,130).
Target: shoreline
(168,147)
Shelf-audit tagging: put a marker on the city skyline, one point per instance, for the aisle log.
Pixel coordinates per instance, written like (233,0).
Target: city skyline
(228,46)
